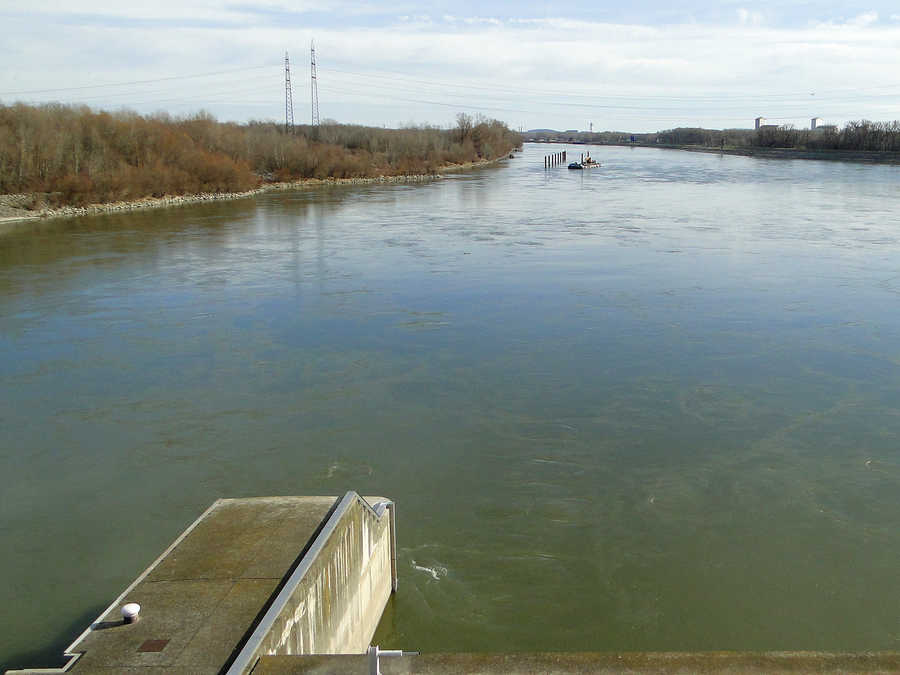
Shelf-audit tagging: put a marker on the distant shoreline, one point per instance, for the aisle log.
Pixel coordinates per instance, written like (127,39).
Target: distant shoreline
(860,156)
(13,213)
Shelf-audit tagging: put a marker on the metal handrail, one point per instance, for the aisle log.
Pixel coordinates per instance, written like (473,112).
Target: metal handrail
(247,654)
(375,653)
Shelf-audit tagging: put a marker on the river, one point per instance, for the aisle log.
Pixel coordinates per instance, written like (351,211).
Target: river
(651,406)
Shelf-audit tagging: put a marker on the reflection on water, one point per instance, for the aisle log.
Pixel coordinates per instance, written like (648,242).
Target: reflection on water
(649,407)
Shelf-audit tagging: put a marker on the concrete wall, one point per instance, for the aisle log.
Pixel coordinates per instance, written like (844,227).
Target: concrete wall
(334,600)
(337,605)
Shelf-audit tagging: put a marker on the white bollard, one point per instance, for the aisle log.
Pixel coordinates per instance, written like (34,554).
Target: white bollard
(131,612)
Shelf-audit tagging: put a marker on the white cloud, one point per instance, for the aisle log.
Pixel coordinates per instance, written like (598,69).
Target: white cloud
(865,19)
(749,18)
(190,11)
(473,20)
(416,20)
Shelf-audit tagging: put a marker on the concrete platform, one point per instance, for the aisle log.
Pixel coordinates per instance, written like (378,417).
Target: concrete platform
(203,597)
(584,663)
(246,578)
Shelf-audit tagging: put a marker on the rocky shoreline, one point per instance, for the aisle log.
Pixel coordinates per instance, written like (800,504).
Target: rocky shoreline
(15,207)
(12,207)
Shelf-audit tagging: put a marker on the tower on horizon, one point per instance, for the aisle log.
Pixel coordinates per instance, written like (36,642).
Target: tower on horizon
(288,97)
(314,85)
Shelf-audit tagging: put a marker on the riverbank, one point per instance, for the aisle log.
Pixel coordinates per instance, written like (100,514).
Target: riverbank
(792,153)
(18,208)
(74,158)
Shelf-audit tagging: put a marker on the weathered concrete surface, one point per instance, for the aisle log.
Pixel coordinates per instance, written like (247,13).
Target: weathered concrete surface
(271,575)
(205,593)
(586,662)
(336,603)
(204,596)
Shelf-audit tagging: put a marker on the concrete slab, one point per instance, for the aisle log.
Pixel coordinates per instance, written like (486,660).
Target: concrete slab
(223,631)
(205,594)
(246,538)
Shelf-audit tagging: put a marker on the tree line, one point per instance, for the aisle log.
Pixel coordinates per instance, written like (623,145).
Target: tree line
(858,136)
(77,155)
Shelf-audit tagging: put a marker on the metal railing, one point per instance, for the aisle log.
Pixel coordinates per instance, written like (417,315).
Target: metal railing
(247,655)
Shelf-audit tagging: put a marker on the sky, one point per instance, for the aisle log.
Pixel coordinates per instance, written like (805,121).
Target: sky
(636,66)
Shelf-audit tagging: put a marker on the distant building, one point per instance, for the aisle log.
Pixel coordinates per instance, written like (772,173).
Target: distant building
(814,122)
(760,121)
(825,128)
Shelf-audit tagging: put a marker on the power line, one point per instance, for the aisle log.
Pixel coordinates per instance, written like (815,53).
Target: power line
(504,105)
(208,96)
(717,96)
(495,99)
(124,84)
(460,99)
(653,114)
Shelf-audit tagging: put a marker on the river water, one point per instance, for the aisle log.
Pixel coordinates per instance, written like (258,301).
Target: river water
(651,406)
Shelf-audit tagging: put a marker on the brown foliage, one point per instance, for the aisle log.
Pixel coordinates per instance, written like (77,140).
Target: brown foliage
(85,156)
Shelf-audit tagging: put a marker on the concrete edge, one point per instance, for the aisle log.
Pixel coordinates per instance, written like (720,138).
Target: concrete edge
(244,658)
(70,651)
(584,663)
(389,505)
